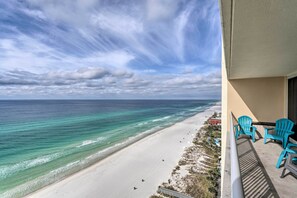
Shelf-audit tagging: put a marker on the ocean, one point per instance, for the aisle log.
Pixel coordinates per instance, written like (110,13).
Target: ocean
(43,141)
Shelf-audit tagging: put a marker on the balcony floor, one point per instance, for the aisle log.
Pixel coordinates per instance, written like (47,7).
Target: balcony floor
(260,176)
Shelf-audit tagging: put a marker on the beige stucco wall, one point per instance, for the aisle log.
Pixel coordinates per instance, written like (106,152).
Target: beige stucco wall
(263,99)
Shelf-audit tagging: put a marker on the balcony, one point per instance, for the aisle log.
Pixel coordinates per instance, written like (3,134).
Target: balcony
(259,176)
(259,79)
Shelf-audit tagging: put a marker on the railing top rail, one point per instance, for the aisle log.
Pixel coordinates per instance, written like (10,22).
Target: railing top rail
(236,181)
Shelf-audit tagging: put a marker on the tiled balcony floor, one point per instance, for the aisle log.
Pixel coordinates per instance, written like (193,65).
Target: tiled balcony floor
(259,175)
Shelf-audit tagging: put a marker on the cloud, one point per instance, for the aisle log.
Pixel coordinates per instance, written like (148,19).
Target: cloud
(114,58)
(106,48)
(61,78)
(31,54)
(66,11)
(117,23)
(81,74)
(103,82)
(181,23)
(17,78)
(34,13)
(161,9)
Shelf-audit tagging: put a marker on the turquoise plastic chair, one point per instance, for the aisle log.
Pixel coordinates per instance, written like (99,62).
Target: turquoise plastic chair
(245,127)
(282,130)
(284,153)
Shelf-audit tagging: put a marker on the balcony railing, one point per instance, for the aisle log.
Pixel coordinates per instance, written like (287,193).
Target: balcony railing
(236,181)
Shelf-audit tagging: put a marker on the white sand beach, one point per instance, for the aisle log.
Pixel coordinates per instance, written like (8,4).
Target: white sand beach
(135,171)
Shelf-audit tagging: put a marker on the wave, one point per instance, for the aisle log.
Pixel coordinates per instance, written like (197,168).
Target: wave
(143,123)
(8,170)
(154,120)
(72,167)
(88,142)
(161,119)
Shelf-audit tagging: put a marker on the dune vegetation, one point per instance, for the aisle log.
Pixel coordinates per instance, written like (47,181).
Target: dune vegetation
(197,174)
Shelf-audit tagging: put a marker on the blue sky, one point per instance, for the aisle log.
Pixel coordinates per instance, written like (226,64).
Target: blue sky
(101,49)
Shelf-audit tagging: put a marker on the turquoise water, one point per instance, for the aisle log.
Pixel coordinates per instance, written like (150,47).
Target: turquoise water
(45,141)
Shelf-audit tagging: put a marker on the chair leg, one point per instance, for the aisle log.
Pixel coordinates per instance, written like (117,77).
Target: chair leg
(253,136)
(283,173)
(284,142)
(265,139)
(280,159)
(237,134)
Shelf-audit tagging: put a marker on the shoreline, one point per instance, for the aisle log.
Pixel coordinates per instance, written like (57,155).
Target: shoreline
(197,174)
(122,154)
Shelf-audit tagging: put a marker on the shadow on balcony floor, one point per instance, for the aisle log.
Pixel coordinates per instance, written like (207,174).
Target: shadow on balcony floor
(256,182)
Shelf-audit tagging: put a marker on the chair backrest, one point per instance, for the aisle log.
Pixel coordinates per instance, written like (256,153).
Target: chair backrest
(245,123)
(282,126)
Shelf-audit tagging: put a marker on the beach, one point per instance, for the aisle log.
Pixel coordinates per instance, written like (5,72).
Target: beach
(135,171)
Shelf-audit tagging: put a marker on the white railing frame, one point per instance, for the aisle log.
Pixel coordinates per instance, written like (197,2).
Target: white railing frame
(236,181)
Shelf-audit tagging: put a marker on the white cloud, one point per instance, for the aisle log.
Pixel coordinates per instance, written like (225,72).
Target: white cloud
(80,74)
(161,9)
(34,13)
(126,28)
(118,23)
(118,59)
(181,22)
(24,52)
(96,80)
(62,78)
(66,11)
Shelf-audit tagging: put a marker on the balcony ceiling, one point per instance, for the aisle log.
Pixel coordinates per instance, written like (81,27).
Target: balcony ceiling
(260,37)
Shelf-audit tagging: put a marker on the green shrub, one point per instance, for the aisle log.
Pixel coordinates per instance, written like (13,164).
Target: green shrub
(199,187)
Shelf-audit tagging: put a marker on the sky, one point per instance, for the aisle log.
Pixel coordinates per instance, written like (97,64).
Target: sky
(110,49)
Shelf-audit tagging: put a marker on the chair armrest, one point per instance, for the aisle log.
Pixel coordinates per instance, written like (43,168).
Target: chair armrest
(291,155)
(254,128)
(291,145)
(287,134)
(268,129)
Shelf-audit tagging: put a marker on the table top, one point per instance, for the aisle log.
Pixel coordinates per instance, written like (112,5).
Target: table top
(293,138)
(264,123)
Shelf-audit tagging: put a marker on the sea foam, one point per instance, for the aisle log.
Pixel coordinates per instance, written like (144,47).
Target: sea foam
(88,142)
(9,169)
